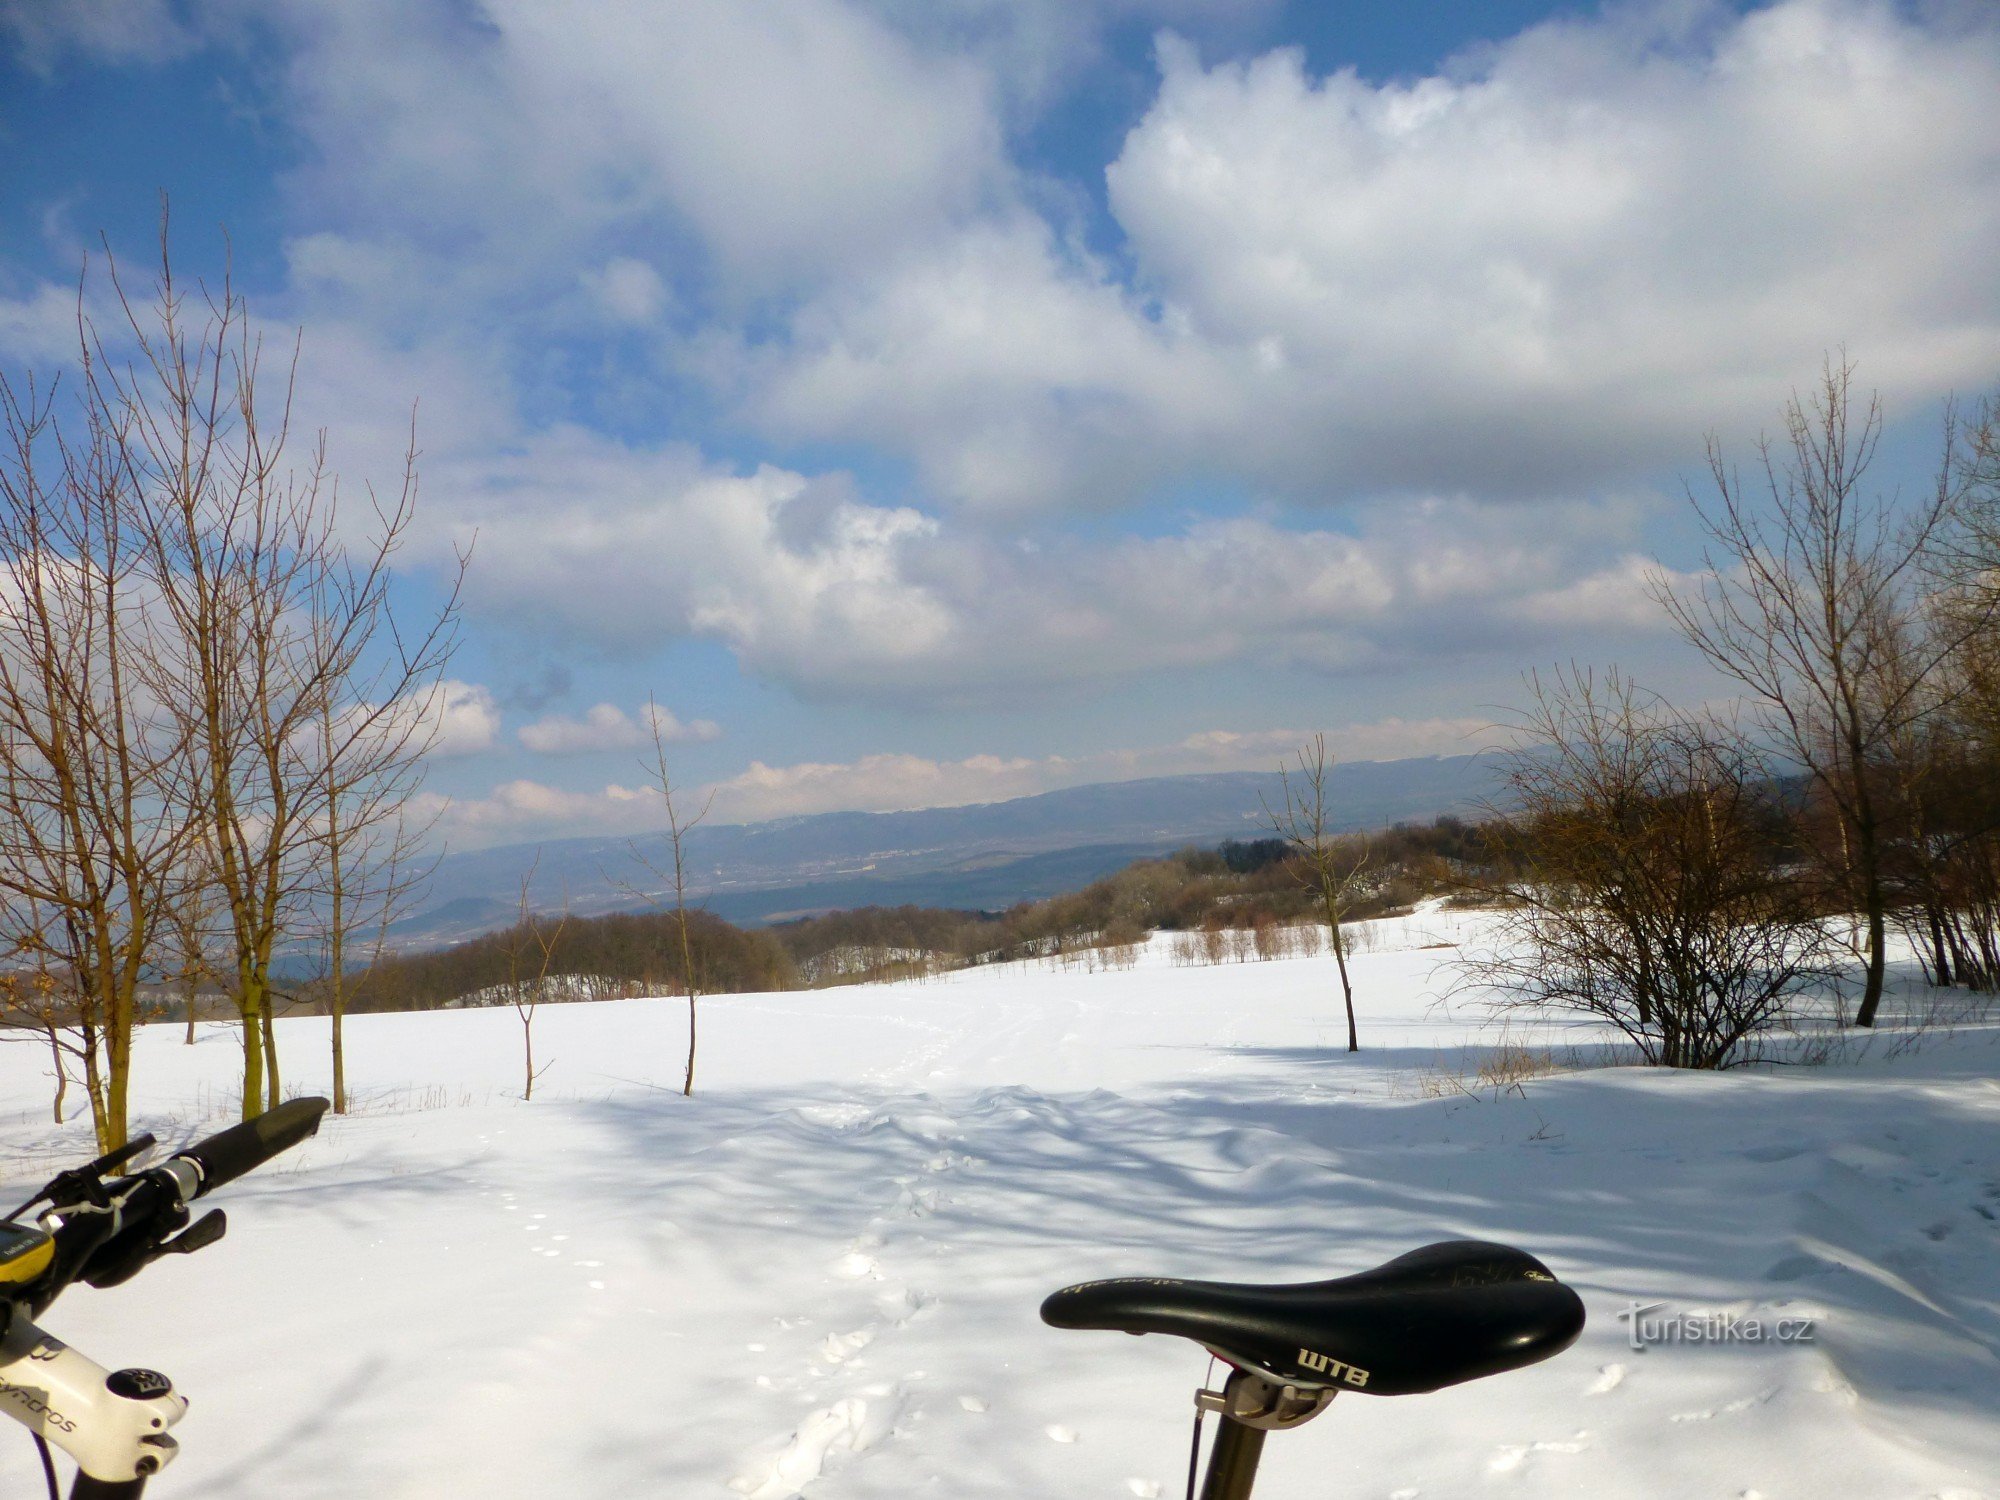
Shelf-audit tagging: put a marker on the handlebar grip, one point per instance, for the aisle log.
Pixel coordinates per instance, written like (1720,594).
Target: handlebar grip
(227,1155)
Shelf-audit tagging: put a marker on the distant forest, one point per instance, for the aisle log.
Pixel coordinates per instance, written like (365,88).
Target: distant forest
(1242,884)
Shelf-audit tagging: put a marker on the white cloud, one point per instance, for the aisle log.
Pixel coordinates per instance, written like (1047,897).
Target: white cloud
(785,142)
(1613,233)
(460,718)
(524,809)
(1560,262)
(617,545)
(628,289)
(605,726)
(38,330)
(811,586)
(1015,370)
(1559,259)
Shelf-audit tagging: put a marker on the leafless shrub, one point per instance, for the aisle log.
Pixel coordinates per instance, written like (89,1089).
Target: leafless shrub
(1654,897)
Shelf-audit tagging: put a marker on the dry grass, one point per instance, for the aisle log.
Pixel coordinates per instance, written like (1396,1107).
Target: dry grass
(1493,1070)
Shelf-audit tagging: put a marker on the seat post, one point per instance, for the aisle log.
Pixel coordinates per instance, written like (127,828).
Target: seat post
(1232,1463)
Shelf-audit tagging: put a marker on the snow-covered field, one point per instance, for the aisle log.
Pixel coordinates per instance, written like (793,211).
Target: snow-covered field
(820,1275)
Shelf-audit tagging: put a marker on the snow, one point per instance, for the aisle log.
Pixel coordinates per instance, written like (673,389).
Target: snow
(820,1274)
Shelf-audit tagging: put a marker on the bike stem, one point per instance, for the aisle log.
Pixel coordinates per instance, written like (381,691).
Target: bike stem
(112,1422)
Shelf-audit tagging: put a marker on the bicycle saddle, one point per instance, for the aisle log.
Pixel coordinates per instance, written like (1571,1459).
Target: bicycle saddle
(1447,1313)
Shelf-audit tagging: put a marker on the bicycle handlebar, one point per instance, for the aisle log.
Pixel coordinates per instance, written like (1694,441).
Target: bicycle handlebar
(228,1154)
(104,1230)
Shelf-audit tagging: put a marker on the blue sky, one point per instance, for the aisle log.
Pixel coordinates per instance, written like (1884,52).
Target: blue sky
(941,400)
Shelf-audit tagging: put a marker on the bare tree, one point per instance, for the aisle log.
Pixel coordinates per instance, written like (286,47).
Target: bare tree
(1812,603)
(276,618)
(1655,893)
(369,861)
(91,772)
(676,874)
(1947,764)
(191,933)
(39,1003)
(530,949)
(1330,866)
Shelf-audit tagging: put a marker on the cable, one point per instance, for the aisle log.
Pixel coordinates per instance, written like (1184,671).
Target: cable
(48,1464)
(1194,1446)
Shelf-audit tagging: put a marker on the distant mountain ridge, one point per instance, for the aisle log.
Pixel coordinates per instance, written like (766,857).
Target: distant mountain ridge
(989,854)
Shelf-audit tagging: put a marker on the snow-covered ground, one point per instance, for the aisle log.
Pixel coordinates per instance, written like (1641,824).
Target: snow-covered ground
(820,1274)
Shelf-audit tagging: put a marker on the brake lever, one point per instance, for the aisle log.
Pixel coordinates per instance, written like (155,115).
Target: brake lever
(199,1235)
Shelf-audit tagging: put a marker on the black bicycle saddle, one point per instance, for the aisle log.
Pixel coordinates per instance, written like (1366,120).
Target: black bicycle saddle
(1447,1313)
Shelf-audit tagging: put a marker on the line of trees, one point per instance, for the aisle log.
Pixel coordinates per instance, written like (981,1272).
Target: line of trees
(641,953)
(210,723)
(1685,874)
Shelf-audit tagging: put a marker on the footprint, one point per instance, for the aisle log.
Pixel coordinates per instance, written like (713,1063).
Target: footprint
(1729,1409)
(1608,1379)
(972,1403)
(856,1266)
(853,1424)
(1512,1456)
(899,1307)
(1059,1433)
(1145,1489)
(839,1347)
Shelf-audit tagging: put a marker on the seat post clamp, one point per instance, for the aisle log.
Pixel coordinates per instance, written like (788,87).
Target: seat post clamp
(1267,1404)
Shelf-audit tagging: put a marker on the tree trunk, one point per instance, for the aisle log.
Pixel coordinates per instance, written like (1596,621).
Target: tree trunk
(118,1071)
(273,1096)
(1874,900)
(1871,995)
(339,1059)
(253,1063)
(1943,956)
(1346,990)
(62,1073)
(93,1084)
(687,1087)
(1340,959)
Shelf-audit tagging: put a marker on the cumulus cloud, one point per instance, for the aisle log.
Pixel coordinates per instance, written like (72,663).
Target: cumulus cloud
(1552,262)
(780,144)
(1015,370)
(606,726)
(811,585)
(526,809)
(461,718)
(1558,262)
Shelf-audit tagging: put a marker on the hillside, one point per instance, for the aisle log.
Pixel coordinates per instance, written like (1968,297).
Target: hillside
(988,855)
